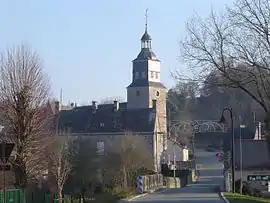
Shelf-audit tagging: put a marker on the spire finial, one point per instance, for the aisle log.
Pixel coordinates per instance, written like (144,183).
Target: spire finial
(146,18)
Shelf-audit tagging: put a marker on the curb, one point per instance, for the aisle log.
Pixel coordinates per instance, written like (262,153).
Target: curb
(224,198)
(136,197)
(141,195)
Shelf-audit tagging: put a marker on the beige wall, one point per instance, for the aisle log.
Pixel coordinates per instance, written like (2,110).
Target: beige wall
(145,100)
(141,101)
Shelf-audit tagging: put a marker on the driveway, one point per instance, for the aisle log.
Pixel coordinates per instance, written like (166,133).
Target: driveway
(206,190)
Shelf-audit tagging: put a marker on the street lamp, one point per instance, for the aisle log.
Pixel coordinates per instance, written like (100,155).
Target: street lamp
(241,158)
(223,120)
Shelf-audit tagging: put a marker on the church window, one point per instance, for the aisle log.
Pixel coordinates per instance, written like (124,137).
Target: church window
(137,75)
(137,93)
(143,75)
(152,74)
(156,75)
(157,93)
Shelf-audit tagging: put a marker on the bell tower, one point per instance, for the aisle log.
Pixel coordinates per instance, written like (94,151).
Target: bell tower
(147,92)
(146,85)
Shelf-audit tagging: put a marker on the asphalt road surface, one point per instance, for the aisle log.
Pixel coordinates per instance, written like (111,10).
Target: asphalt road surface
(204,191)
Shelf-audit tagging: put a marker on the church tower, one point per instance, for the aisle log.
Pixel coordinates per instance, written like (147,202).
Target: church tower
(146,89)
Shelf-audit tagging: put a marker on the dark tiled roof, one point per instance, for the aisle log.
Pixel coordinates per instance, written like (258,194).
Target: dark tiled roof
(142,83)
(146,53)
(83,120)
(255,154)
(146,36)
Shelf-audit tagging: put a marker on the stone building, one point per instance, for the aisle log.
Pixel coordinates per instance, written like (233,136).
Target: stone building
(144,113)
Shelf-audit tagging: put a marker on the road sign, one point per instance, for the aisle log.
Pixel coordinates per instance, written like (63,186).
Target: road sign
(140,184)
(258,177)
(5,151)
(5,167)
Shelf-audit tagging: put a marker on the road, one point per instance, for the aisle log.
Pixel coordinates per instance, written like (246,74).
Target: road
(204,191)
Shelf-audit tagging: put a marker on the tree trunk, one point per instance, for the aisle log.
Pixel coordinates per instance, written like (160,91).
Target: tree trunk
(124,177)
(59,190)
(19,168)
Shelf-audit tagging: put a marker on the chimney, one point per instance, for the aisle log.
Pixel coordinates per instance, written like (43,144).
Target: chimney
(94,106)
(154,104)
(115,106)
(57,107)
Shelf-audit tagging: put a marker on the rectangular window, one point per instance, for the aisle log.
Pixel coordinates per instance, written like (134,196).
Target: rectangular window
(137,75)
(143,75)
(152,74)
(156,75)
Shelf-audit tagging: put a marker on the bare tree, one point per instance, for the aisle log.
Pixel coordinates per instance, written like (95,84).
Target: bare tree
(125,156)
(234,45)
(181,102)
(59,162)
(24,92)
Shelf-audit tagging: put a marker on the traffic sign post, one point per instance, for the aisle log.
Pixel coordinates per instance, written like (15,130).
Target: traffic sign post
(5,152)
(6,149)
(5,167)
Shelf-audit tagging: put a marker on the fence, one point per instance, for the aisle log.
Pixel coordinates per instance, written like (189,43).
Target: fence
(22,196)
(14,196)
(149,182)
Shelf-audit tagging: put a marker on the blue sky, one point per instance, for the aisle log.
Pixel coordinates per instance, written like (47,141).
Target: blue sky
(88,46)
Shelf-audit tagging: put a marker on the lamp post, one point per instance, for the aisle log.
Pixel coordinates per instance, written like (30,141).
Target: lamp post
(241,159)
(174,158)
(223,120)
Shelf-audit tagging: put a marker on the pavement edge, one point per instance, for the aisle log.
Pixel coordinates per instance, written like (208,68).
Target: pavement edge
(223,197)
(141,195)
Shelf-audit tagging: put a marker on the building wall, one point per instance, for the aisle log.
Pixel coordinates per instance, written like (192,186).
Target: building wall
(160,123)
(108,139)
(181,154)
(154,67)
(138,101)
(145,100)
(160,106)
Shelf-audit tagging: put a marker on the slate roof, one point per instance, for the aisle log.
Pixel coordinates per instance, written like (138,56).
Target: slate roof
(105,119)
(255,154)
(146,36)
(146,53)
(146,83)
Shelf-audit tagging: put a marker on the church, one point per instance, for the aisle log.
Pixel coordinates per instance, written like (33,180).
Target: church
(144,112)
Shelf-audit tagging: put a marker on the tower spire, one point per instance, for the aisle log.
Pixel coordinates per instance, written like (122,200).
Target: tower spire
(146,39)
(146,19)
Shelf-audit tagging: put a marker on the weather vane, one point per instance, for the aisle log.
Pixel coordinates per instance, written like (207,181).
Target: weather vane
(146,18)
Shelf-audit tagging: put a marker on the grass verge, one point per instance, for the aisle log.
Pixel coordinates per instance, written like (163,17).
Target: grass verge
(112,196)
(238,198)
